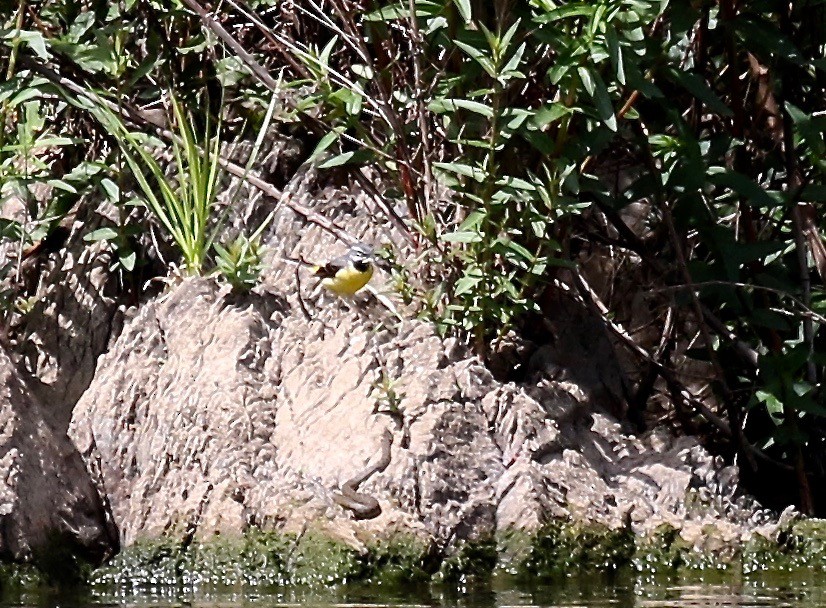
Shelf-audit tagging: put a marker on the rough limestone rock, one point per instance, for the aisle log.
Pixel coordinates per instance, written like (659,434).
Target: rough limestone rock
(214,413)
(72,313)
(47,500)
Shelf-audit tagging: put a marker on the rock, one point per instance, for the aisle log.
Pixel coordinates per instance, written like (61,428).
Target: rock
(71,314)
(48,503)
(215,414)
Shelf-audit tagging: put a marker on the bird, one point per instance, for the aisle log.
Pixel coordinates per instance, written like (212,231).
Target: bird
(347,274)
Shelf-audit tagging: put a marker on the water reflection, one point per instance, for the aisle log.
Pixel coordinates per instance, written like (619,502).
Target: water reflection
(806,589)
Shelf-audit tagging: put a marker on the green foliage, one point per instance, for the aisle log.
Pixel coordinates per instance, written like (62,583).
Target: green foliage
(503,114)
(515,108)
(184,207)
(495,126)
(386,395)
(240,262)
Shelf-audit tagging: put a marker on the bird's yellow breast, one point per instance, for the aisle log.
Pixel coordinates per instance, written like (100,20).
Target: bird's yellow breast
(348,280)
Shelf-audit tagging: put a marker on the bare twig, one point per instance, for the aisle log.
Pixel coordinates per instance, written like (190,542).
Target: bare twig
(416,46)
(301,303)
(256,68)
(593,301)
(795,182)
(806,310)
(267,32)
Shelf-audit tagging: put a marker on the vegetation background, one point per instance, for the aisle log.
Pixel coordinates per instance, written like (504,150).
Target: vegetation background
(659,164)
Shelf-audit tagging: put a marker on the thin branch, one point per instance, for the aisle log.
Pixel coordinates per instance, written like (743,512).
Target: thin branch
(257,69)
(416,39)
(265,30)
(594,302)
(806,311)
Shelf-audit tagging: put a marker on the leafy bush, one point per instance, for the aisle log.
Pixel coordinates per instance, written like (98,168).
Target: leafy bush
(681,145)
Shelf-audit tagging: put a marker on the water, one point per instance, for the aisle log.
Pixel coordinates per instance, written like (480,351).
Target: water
(803,589)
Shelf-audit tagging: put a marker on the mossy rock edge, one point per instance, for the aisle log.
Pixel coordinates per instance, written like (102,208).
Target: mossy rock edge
(560,548)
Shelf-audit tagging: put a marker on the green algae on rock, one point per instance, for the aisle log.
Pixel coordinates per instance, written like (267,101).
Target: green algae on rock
(266,559)
(16,577)
(561,546)
(477,559)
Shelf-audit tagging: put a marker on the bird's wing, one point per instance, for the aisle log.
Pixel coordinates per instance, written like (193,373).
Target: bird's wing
(330,269)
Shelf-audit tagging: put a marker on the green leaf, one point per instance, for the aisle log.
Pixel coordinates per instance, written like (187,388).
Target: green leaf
(510,69)
(464,9)
(550,112)
(507,37)
(586,76)
(401,10)
(24,96)
(388,13)
(362,71)
(440,106)
(357,157)
(516,182)
(34,40)
(745,187)
(462,169)
(570,9)
(60,184)
(773,405)
(615,53)
(101,234)
(110,188)
(520,250)
(478,56)
(462,236)
(127,259)
(324,143)
(466,284)
(473,220)
(596,88)
(558,71)
(545,144)
(767,38)
(699,89)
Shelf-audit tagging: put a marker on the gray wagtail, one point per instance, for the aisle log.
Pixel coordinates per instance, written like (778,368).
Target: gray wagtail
(347,274)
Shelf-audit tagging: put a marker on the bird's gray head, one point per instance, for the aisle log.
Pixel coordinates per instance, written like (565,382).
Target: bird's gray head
(361,252)
(360,255)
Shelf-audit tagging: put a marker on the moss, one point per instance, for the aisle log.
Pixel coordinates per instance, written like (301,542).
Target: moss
(252,559)
(401,560)
(562,547)
(61,564)
(475,559)
(321,560)
(148,563)
(514,549)
(17,578)
(266,559)
(663,550)
(801,546)
(57,566)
